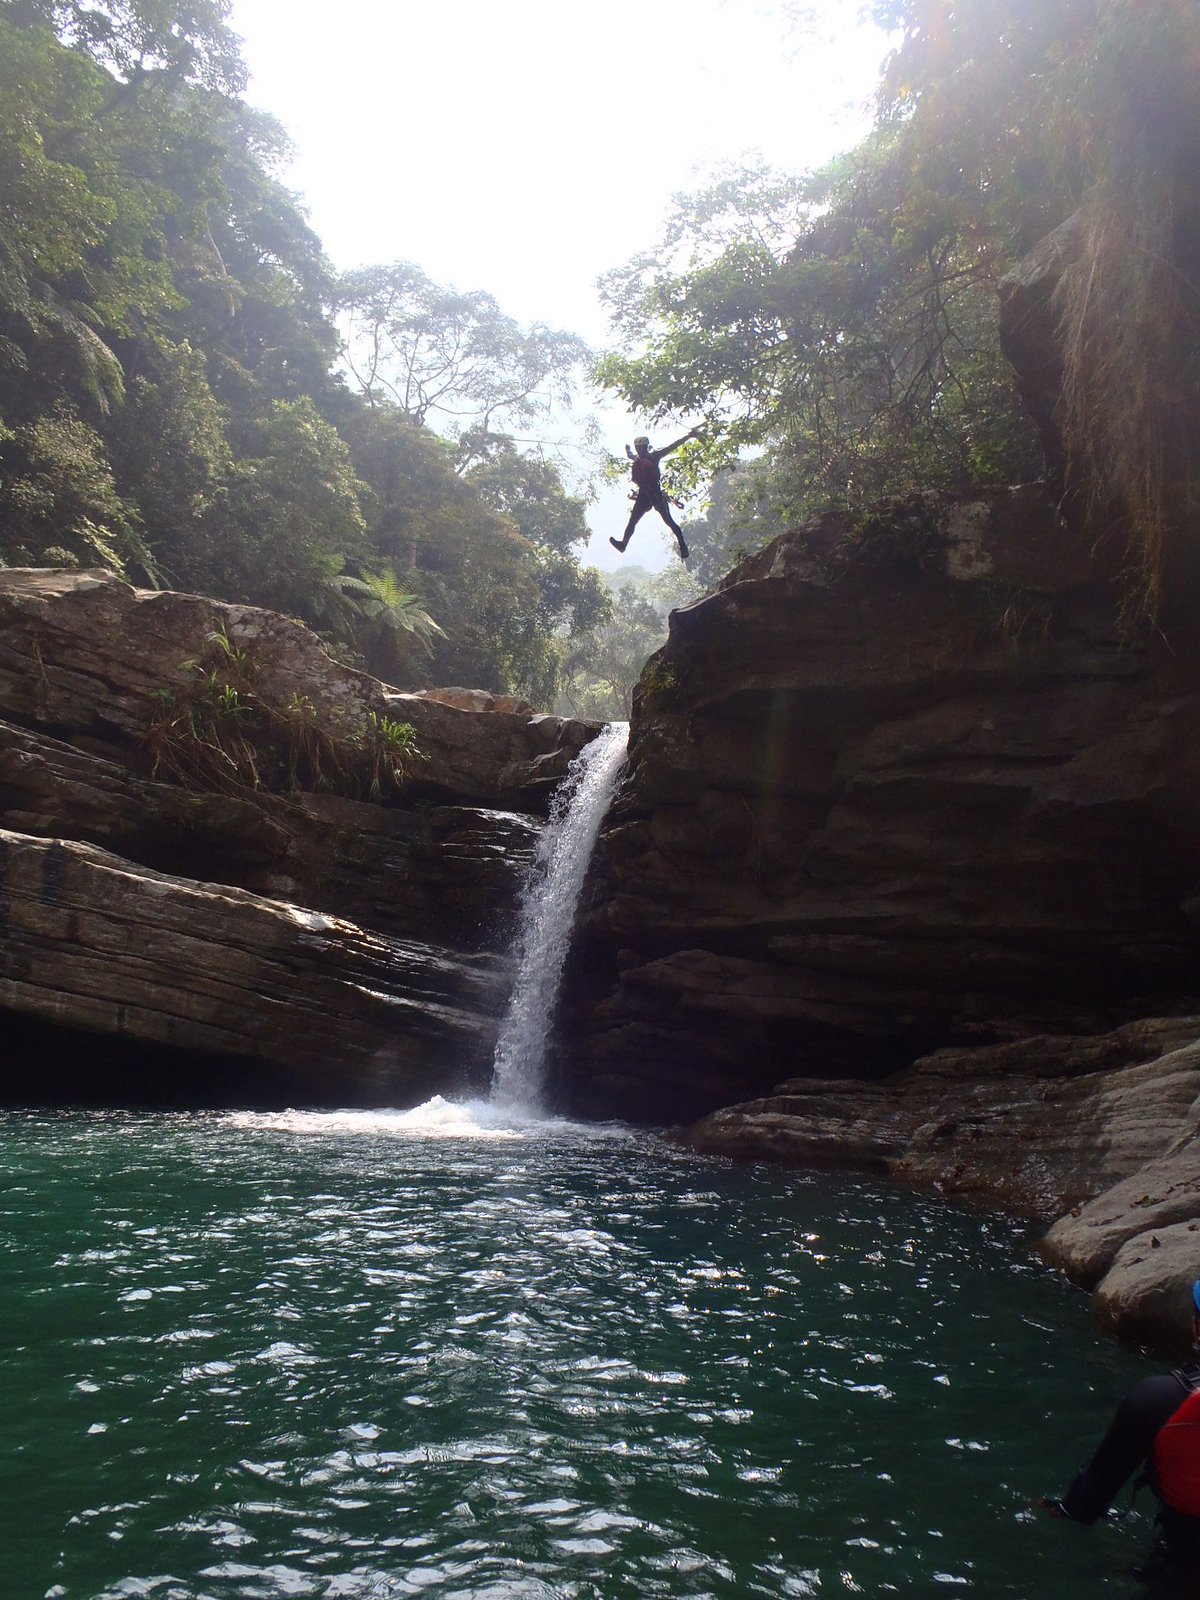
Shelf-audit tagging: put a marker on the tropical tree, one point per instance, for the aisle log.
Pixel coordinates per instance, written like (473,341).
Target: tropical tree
(486,585)
(528,490)
(525,487)
(448,357)
(292,517)
(168,400)
(857,351)
(395,626)
(191,41)
(602,668)
(1086,109)
(58,503)
(845,327)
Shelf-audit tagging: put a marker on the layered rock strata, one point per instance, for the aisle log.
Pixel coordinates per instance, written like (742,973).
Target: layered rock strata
(898,784)
(342,947)
(1098,1135)
(87,657)
(93,942)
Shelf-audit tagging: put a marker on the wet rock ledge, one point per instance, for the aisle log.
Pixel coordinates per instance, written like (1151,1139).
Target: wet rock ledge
(903,874)
(315,907)
(1097,1137)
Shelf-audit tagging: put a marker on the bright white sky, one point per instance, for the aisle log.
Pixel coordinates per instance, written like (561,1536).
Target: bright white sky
(526,146)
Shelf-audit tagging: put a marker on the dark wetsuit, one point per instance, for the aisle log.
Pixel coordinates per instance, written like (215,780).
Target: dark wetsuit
(1129,1445)
(650,497)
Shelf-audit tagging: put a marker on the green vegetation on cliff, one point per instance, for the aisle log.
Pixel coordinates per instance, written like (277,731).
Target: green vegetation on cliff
(840,331)
(192,396)
(170,404)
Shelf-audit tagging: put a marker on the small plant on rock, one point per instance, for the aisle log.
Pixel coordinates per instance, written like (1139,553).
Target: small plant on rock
(221,731)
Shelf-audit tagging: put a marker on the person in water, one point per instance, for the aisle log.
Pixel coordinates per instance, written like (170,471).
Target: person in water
(651,496)
(1157,1429)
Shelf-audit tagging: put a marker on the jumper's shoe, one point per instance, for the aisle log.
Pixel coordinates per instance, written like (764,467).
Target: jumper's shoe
(618,544)
(683,550)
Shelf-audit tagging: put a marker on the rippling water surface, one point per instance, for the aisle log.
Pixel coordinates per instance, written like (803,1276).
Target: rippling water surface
(375,1355)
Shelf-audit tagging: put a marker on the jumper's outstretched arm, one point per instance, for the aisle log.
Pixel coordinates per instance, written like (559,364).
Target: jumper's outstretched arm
(693,433)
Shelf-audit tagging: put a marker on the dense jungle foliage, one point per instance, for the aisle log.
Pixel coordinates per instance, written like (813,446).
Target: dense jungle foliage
(190,395)
(839,331)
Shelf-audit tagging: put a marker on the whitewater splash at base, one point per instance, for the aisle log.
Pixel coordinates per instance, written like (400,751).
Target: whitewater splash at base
(455,1121)
(514,1110)
(547,915)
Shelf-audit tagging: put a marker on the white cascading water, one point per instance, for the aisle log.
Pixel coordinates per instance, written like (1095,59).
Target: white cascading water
(547,915)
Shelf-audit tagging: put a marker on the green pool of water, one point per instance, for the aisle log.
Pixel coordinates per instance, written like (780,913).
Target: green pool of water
(369,1356)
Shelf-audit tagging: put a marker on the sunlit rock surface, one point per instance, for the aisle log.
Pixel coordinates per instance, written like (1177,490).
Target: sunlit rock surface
(86,657)
(94,942)
(342,948)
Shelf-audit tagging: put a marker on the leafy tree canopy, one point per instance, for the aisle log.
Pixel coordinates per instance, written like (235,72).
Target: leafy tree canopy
(133,37)
(444,355)
(827,324)
(602,668)
(168,400)
(843,327)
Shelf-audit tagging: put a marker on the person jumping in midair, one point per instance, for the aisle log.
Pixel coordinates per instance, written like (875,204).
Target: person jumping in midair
(651,496)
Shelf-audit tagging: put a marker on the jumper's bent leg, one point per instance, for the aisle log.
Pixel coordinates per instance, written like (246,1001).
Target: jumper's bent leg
(635,516)
(664,510)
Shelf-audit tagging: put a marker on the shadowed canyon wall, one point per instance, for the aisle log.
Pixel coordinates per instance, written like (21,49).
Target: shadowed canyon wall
(896,785)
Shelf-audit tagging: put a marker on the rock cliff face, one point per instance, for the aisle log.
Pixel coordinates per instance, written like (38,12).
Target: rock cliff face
(893,787)
(903,875)
(306,944)
(906,855)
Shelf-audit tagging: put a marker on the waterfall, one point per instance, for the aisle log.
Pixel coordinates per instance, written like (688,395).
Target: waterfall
(547,915)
